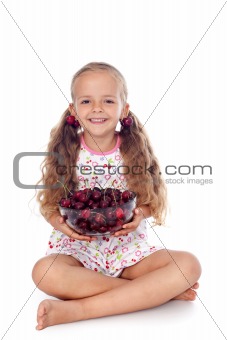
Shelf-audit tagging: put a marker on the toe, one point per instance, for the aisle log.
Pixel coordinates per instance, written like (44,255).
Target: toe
(195,286)
(39,327)
(192,295)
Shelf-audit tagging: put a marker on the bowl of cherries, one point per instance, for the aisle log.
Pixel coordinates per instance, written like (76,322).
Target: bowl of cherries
(97,211)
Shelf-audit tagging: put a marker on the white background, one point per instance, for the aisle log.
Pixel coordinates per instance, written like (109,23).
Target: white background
(149,42)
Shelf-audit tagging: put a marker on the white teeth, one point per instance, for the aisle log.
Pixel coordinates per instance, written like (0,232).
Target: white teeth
(97,120)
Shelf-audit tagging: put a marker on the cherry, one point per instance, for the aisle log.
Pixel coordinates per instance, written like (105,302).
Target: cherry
(110,214)
(95,205)
(83,198)
(103,229)
(76,123)
(103,204)
(119,213)
(95,226)
(79,205)
(120,202)
(76,195)
(90,203)
(111,223)
(86,213)
(70,120)
(119,223)
(126,195)
(99,218)
(127,122)
(83,224)
(96,195)
(108,191)
(96,189)
(65,203)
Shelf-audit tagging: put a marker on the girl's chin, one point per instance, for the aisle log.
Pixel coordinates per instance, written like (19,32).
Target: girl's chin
(96,132)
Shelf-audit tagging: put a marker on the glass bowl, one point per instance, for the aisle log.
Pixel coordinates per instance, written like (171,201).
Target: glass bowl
(99,221)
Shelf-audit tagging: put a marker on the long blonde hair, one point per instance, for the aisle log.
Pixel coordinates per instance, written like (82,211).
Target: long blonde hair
(135,148)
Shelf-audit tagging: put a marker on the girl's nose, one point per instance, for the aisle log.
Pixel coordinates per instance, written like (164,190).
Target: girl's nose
(97,107)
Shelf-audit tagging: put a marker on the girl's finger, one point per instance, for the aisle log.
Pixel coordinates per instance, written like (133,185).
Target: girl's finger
(138,211)
(124,232)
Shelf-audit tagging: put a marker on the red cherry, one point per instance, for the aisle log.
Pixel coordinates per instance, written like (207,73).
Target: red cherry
(96,195)
(94,205)
(84,224)
(110,214)
(119,213)
(86,213)
(99,218)
(126,195)
(119,224)
(83,198)
(121,202)
(127,122)
(94,226)
(90,203)
(103,204)
(70,120)
(79,205)
(111,223)
(76,195)
(76,123)
(65,202)
(102,229)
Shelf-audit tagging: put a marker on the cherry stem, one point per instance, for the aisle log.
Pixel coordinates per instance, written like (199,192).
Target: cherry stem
(86,183)
(113,183)
(98,184)
(65,187)
(104,194)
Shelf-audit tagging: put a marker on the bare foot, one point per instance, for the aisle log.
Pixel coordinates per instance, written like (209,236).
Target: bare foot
(54,312)
(189,294)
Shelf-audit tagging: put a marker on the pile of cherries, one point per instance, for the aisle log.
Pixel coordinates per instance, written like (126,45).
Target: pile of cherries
(92,211)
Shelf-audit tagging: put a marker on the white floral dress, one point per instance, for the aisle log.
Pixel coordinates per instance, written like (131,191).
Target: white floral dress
(105,255)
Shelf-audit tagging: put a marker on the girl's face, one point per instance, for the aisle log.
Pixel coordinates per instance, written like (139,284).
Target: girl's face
(98,103)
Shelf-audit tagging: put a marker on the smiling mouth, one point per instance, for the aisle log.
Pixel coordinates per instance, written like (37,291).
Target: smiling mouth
(97,120)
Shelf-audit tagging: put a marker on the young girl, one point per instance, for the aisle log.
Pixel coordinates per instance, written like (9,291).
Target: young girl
(98,276)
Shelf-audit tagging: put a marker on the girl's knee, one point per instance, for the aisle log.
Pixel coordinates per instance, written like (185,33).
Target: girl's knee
(42,274)
(191,267)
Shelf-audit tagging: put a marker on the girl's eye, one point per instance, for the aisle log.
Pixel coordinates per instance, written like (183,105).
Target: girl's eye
(86,101)
(109,101)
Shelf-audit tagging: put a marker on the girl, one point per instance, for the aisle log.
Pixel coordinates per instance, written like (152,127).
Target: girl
(93,277)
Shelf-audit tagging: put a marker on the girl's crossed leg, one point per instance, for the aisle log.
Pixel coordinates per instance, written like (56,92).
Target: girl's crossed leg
(160,277)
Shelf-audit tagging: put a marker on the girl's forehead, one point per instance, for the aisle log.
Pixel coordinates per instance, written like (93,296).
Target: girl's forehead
(96,80)
(89,76)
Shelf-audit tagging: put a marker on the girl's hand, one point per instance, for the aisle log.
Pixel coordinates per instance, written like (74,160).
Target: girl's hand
(129,227)
(58,223)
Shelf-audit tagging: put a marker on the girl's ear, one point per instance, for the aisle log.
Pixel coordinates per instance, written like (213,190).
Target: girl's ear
(72,109)
(125,111)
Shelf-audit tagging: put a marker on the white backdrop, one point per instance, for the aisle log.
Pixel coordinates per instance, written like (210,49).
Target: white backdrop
(43,43)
